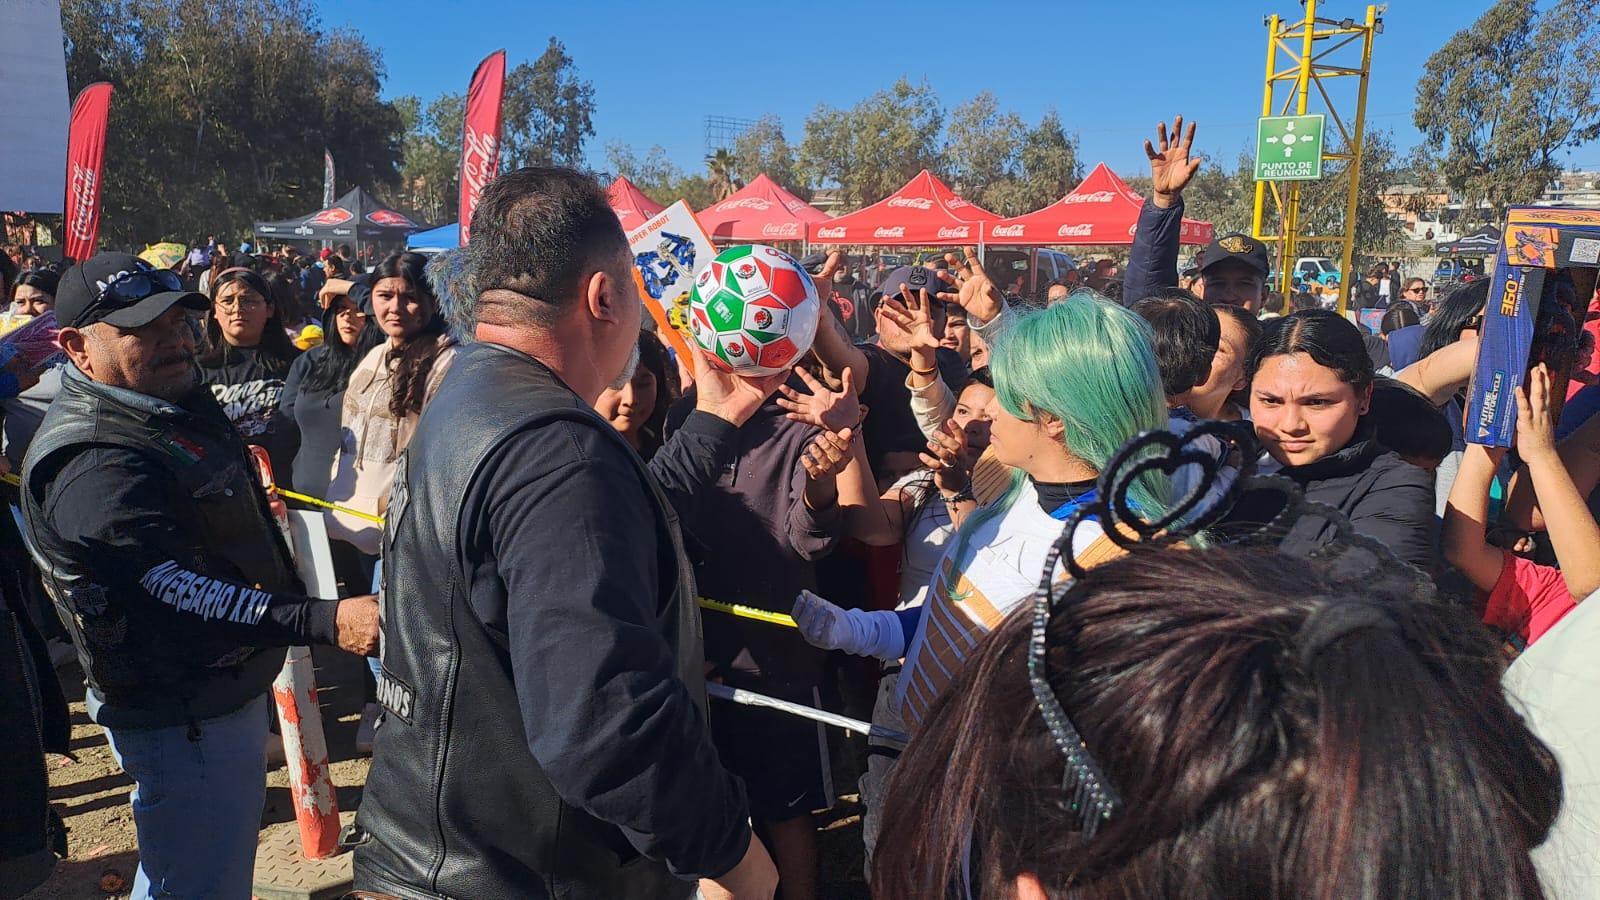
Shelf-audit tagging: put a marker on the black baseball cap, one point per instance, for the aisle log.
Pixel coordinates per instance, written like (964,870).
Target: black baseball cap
(913,278)
(1240,247)
(121,289)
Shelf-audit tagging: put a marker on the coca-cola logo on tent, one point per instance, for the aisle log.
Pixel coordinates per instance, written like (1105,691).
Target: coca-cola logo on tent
(389,218)
(335,216)
(910,203)
(785,230)
(954,233)
(1005,231)
(1075,231)
(1095,197)
(898,231)
(834,232)
(755,203)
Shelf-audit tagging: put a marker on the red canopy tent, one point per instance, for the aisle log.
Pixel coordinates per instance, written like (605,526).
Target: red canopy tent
(925,211)
(1101,210)
(631,204)
(761,210)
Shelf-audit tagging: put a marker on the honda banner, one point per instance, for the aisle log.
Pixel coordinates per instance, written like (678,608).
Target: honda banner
(480,134)
(86,151)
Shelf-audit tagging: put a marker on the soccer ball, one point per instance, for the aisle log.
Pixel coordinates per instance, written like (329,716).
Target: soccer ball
(754,310)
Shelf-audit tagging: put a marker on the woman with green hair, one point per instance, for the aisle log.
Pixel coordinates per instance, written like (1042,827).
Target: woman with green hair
(1073,383)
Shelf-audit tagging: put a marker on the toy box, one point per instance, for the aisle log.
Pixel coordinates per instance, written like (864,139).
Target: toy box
(1532,314)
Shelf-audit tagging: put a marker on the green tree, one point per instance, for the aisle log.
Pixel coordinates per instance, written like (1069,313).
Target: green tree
(722,168)
(763,148)
(1504,96)
(548,112)
(875,147)
(654,173)
(430,174)
(221,110)
(983,153)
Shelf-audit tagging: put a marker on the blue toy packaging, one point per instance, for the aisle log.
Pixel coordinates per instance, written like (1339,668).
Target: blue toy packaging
(1532,315)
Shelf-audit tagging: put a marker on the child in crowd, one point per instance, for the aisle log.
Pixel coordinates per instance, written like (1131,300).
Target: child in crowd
(1524,600)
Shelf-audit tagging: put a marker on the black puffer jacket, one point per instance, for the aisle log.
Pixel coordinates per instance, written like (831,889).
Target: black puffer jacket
(1386,498)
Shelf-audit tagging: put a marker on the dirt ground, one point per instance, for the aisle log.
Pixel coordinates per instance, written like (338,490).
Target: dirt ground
(91,795)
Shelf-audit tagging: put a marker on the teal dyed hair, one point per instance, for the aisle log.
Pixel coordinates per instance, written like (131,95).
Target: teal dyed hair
(1091,364)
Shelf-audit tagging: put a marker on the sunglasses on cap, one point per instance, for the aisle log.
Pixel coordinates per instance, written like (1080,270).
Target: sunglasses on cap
(139,284)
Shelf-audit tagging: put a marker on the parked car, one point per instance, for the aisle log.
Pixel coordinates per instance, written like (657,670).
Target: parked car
(1320,269)
(1453,270)
(1027,273)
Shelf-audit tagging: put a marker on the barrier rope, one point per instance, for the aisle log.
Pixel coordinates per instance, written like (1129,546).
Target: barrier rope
(748,612)
(732,609)
(313,501)
(750,698)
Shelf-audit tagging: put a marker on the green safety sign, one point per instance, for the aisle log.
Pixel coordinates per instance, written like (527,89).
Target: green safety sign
(1289,148)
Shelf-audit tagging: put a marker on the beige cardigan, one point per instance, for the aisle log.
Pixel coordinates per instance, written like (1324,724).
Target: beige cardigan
(371,443)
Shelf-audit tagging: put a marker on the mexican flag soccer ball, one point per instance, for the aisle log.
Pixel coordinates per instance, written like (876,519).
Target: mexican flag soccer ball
(754,310)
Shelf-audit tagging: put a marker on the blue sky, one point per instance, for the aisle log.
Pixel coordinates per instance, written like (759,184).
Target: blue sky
(1111,69)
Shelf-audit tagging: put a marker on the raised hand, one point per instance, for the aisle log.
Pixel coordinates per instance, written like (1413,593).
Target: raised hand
(827,454)
(946,456)
(826,409)
(1536,425)
(1171,166)
(732,398)
(823,280)
(911,312)
(975,291)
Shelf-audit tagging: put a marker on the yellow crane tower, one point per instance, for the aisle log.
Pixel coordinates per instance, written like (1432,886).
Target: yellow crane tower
(1317,50)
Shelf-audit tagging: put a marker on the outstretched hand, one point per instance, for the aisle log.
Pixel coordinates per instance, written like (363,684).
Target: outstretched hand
(1536,425)
(824,408)
(731,398)
(1171,165)
(975,291)
(827,454)
(946,456)
(911,311)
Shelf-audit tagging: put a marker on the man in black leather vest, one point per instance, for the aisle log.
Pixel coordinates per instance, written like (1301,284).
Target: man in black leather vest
(157,546)
(546,730)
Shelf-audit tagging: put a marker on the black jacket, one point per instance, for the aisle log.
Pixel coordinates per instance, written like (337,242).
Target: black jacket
(1385,497)
(163,559)
(542,663)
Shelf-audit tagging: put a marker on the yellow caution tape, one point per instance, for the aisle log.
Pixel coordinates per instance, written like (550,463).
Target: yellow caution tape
(732,609)
(303,498)
(749,612)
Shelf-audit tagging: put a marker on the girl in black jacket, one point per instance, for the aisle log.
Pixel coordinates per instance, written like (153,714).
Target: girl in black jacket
(1310,391)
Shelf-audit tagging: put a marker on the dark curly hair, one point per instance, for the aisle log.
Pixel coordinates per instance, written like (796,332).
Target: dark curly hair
(413,361)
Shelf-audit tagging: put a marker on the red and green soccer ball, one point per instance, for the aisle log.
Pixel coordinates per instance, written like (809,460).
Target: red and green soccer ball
(754,310)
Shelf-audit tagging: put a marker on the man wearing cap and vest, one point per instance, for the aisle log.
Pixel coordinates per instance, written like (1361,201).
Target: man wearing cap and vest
(157,546)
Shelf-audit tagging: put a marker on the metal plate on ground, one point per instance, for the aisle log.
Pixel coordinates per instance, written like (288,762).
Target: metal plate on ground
(283,872)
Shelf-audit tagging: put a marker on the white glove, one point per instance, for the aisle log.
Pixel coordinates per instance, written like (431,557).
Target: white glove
(861,632)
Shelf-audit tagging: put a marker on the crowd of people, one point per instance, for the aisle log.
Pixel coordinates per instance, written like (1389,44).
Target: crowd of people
(551,489)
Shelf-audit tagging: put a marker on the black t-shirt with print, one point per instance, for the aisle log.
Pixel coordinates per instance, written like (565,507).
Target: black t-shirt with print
(247,382)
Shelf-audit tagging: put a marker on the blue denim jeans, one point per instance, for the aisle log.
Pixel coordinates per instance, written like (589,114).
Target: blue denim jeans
(197,801)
